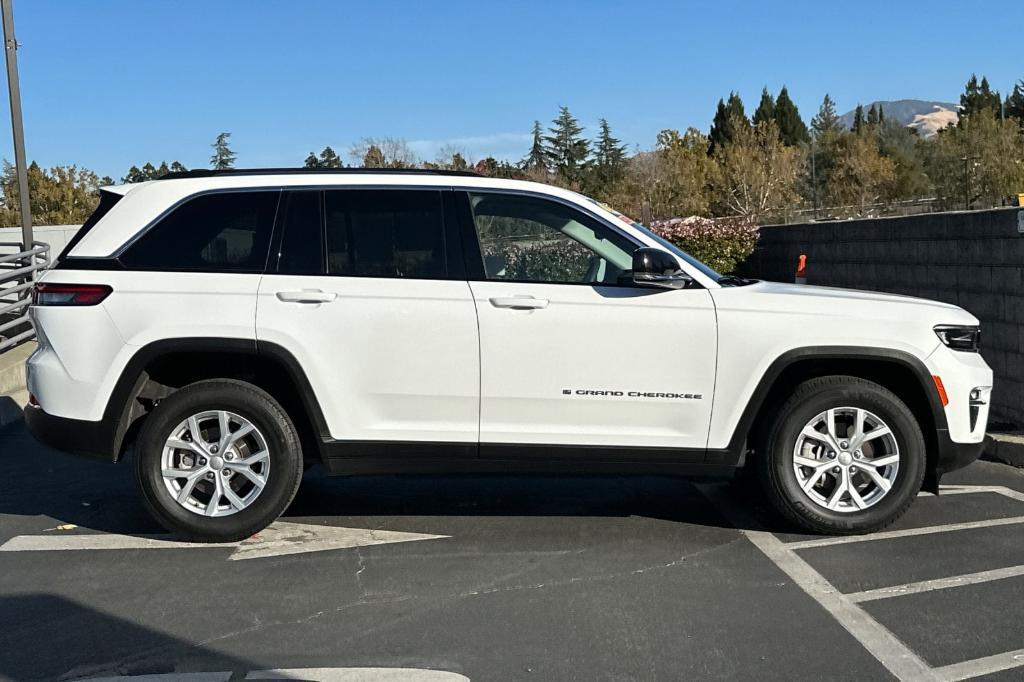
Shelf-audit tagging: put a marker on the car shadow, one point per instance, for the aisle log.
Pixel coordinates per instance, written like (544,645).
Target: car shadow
(99,495)
(47,637)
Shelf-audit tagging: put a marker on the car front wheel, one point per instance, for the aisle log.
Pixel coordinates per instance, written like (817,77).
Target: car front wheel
(844,455)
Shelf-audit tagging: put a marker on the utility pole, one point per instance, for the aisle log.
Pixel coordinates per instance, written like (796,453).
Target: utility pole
(13,89)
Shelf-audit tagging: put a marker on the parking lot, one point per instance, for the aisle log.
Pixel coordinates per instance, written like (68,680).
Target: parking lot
(488,578)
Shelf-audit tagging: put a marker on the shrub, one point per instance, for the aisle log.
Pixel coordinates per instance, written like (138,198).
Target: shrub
(722,243)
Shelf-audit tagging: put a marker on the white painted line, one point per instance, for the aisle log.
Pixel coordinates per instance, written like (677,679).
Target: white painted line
(899,659)
(937,584)
(910,532)
(358,675)
(279,539)
(981,666)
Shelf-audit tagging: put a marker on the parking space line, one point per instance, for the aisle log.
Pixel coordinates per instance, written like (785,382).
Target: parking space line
(899,659)
(937,584)
(981,666)
(909,532)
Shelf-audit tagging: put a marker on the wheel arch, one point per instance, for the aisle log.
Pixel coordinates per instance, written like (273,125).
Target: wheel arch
(902,373)
(159,368)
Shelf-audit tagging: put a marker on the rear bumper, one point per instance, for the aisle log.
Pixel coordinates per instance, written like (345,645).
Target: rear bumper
(76,436)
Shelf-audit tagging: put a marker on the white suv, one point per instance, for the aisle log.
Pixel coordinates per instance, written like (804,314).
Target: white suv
(235,326)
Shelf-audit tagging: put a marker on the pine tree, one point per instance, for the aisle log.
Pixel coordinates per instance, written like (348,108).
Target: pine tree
(792,130)
(329,159)
(537,159)
(177,167)
(1014,105)
(765,109)
(566,148)
(374,157)
(609,159)
(727,117)
(881,115)
(858,119)
(827,120)
(223,158)
(978,97)
(873,117)
(311,161)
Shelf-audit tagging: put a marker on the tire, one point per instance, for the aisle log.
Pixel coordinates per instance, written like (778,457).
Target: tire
(253,507)
(791,487)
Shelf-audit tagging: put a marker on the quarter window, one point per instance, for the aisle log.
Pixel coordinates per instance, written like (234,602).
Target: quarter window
(526,239)
(385,233)
(222,232)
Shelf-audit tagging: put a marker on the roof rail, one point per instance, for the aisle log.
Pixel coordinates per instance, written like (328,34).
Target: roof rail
(205,173)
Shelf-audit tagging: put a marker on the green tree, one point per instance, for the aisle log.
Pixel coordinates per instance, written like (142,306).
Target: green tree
(792,130)
(755,174)
(223,158)
(537,158)
(609,159)
(873,117)
(1014,105)
(729,117)
(858,119)
(827,120)
(977,164)
(902,145)
(978,97)
(329,158)
(765,108)
(567,150)
(859,176)
(383,152)
(311,161)
(62,195)
(151,172)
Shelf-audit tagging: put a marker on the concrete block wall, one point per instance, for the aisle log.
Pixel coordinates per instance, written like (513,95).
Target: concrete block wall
(974,259)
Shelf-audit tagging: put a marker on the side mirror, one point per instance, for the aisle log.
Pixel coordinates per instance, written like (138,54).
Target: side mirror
(656,268)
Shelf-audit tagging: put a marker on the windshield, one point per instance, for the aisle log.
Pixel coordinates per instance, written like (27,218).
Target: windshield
(669,246)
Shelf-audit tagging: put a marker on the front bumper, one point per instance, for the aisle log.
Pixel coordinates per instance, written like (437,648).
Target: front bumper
(76,436)
(953,456)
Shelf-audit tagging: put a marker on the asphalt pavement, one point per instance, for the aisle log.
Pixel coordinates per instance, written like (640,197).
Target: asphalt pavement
(503,578)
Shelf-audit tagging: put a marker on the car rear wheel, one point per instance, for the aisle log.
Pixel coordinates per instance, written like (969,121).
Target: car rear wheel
(218,461)
(844,455)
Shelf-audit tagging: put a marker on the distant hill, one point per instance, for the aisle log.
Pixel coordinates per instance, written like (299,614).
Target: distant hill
(924,115)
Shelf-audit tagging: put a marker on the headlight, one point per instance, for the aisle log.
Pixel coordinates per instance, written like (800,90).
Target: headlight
(964,338)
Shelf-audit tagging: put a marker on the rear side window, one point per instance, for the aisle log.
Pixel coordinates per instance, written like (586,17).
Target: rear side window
(385,233)
(221,232)
(301,251)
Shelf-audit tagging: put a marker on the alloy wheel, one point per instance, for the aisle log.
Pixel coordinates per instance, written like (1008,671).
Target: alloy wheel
(215,463)
(846,459)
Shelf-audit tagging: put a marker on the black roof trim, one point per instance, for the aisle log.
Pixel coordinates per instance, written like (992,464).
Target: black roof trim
(204,173)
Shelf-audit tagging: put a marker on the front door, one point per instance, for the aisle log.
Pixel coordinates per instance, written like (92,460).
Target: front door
(572,353)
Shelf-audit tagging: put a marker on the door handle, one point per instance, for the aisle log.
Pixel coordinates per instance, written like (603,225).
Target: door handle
(306,296)
(520,302)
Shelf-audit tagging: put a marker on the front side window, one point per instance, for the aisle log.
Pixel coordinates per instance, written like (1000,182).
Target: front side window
(220,232)
(385,233)
(528,239)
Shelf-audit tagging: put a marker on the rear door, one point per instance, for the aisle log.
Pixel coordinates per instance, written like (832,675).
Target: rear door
(366,291)
(574,357)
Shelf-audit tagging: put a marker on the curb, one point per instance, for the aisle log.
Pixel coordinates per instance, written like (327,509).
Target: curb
(12,382)
(1007,448)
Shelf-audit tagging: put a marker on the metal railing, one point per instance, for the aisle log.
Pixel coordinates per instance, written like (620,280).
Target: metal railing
(18,270)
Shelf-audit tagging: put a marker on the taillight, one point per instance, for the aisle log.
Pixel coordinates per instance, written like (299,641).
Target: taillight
(69,294)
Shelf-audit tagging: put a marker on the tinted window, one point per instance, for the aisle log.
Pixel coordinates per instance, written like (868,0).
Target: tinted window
(301,251)
(385,233)
(222,232)
(526,239)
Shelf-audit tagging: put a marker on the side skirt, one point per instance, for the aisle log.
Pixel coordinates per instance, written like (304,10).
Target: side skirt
(383,457)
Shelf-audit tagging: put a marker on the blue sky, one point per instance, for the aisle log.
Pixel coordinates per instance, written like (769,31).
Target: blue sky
(111,83)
